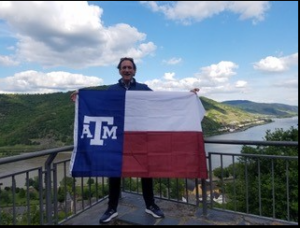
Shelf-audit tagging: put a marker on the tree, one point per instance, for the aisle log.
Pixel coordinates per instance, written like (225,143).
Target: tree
(68,183)
(33,182)
(5,197)
(221,173)
(90,181)
(176,187)
(267,179)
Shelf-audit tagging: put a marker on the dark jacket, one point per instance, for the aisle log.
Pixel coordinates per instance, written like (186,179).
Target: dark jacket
(134,85)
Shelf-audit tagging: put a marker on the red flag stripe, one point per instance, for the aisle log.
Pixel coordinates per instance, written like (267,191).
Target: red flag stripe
(164,154)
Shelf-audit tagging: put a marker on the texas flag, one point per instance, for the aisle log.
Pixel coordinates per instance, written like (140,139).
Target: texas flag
(138,134)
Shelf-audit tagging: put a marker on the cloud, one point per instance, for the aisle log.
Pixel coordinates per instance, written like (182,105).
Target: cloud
(169,76)
(218,73)
(289,83)
(249,9)
(7,61)
(170,83)
(188,11)
(210,79)
(70,35)
(39,82)
(275,64)
(173,61)
(241,84)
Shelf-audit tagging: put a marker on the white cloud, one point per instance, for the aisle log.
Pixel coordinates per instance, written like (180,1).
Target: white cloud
(241,84)
(289,83)
(218,73)
(7,61)
(188,11)
(254,10)
(70,34)
(211,79)
(275,64)
(167,84)
(172,61)
(169,76)
(39,82)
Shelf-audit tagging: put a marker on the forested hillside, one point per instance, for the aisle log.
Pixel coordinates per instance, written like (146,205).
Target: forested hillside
(263,108)
(43,121)
(36,119)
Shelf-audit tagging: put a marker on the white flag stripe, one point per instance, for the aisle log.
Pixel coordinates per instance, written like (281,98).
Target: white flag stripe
(163,111)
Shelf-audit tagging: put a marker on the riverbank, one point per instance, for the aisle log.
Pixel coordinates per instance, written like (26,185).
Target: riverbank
(238,128)
(7,151)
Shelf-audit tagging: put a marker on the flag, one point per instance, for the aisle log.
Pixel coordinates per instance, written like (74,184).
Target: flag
(138,134)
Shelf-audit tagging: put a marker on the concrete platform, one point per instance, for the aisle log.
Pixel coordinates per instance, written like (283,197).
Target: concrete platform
(132,212)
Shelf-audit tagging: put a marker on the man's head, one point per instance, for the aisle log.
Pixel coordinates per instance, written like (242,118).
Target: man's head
(127,69)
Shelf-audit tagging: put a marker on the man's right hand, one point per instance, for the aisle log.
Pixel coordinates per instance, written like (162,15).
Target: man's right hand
(195,90)
(74,95)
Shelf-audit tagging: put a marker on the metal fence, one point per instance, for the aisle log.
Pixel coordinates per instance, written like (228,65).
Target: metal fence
(45,194)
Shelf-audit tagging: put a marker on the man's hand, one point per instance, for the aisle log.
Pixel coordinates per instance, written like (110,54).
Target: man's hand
(195,90)
(74,95)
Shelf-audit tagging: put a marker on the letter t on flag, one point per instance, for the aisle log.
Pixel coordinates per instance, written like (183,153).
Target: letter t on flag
(138,134)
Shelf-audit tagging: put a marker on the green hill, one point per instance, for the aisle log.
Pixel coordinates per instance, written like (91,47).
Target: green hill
(33,122)
(274,109)
(43,119)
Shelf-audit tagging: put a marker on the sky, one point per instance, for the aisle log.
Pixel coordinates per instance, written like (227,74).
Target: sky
(230,50)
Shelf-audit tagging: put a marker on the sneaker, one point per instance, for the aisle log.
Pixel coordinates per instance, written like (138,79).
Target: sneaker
(108,215)
(155,211)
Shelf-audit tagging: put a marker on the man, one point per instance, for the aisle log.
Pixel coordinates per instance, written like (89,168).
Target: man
(127,70)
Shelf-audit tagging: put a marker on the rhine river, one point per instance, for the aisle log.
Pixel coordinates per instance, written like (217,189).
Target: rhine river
(256,133)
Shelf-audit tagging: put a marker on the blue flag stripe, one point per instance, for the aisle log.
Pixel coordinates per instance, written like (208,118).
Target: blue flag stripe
(100,133)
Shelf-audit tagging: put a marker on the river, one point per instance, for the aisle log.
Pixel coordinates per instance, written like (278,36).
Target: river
(27,164)
(256,133)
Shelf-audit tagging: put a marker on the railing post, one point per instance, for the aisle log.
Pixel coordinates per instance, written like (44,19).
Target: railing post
(48,188)
(204,196)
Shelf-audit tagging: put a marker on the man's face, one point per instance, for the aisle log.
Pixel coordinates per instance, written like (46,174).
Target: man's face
(127,71)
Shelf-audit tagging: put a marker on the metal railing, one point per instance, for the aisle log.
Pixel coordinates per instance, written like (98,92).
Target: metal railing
(48,195)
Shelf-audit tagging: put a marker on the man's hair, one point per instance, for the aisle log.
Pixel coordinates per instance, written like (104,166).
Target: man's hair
(126,58)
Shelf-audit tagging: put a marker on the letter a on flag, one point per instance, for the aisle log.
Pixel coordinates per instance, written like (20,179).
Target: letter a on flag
(138,134)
